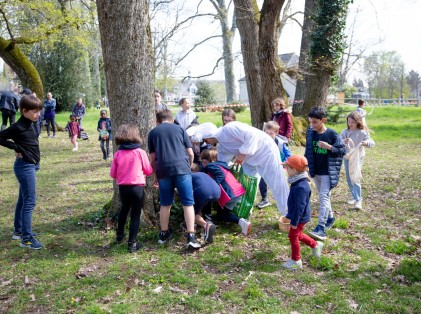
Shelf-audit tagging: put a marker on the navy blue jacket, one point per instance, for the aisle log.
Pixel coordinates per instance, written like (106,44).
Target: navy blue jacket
(334,156)
(9,101)
(219,176)
(299,202)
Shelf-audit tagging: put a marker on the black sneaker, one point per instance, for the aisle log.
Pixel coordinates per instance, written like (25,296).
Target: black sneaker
(209,232)
(31,243)
(192,242)
(164,236)
(18,235)
(119,238)
(134,246)
(329,223)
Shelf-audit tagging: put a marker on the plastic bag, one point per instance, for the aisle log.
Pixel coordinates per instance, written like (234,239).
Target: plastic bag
(243,209)
(354,157)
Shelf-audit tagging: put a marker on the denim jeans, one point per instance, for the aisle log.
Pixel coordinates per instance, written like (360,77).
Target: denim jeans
(354,188)
(105,147)
(263,188)
(183,183)
(25,173)
(323,188)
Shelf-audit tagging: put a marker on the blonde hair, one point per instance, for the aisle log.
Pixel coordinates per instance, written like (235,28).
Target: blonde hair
(271,125)
(209,154)
(127,133)
(281,102)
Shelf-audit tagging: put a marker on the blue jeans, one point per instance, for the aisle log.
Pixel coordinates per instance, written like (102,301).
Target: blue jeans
(184,186)
(354,188)
(25,173)
(323,188)
(263,188)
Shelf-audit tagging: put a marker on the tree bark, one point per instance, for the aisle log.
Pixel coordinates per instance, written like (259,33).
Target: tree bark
(128,65)
(20,64)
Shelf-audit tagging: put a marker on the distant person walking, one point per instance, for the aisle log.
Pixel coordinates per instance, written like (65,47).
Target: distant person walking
(79,110)
(50,113)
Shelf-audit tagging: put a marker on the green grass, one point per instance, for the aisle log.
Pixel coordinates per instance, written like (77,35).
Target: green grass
(370,264)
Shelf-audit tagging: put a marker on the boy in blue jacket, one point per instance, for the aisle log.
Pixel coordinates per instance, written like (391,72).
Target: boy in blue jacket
(299,210)
(324,152)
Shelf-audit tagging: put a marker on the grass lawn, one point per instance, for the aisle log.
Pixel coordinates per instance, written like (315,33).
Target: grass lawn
(371,262)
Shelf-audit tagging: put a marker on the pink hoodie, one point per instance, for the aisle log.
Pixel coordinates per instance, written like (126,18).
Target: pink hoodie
(129,167)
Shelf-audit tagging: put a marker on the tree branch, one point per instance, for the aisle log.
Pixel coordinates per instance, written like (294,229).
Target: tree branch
(213,71)
(194,47)
(9,30)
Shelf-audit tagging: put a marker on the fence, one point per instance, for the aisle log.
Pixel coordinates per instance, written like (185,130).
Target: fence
(384,101)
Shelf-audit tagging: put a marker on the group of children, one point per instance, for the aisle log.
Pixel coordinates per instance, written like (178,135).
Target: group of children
(171,158)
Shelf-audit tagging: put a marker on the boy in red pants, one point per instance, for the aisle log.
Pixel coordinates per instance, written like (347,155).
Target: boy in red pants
(299,210)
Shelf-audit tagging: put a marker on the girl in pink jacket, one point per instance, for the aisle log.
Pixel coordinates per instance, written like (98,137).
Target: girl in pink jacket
(129,167)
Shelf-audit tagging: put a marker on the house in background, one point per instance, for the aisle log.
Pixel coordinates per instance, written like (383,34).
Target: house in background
(290,60)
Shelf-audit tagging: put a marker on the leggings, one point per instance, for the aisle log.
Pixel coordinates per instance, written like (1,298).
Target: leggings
(132,197)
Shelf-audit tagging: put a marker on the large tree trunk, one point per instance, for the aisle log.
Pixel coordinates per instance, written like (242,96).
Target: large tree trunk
(258,31)
(308,26)
(20,64)
(128,63)
(317,87)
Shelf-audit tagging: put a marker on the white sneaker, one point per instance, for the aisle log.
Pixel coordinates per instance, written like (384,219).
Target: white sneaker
(317,251)
(351,202)
(75,149)
(245,226)
(359,205)
(293,265)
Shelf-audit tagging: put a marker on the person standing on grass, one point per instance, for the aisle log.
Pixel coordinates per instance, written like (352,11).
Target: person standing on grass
(9,105)
(50,114)
(359,134)
(324,152)
(185,116)
(104,129)
(299,210)
(74,131)
(79,111)
(228,115)
(171,154)
(23,139)
(282,116)
(129,168)
(361,111)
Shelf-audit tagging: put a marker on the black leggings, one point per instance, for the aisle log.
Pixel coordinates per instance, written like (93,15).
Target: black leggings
(132,197)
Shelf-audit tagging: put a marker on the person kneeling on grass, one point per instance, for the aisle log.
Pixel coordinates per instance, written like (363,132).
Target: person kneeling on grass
(299,210)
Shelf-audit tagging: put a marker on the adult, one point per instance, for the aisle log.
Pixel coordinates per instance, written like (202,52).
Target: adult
(254,149)
(185,116)
(79,111)
(171,155)
(9,105)
(228,115)
(50,113)
(158,101)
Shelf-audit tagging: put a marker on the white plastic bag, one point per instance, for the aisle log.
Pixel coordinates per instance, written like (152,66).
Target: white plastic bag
(354,157)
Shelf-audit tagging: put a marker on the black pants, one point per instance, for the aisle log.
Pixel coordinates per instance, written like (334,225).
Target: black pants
(105,147)
(7,115)
(132,197)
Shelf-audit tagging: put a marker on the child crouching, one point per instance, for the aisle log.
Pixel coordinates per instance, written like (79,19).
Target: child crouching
(299,210)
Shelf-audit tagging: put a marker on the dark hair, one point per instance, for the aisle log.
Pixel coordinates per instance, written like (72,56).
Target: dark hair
(157,91)
(164,115)
(29,102)
(72,116)
(229,113)
(103,111)
(360,102)
(317,113)
(182,101)
(127,133)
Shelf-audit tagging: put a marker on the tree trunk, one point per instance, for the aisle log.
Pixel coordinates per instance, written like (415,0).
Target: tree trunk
(20,64)
(308,26)
(317,87)
(128,63)
(258,31)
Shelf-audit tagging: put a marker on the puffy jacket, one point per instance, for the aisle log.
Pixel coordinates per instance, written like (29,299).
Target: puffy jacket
(9,101)
(335,155)
(219,171)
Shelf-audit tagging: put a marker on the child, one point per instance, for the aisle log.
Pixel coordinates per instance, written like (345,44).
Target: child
(359,134)
(324,151)
(185,117)
(231,189)
(282,116)
(129,167)
(299,210)
(272,129)
(228,115)
(22,138)
(360,110)
(104,129)
(171,156)
(74,131)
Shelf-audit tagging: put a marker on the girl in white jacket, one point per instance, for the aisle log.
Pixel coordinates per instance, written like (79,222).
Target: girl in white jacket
(359,135)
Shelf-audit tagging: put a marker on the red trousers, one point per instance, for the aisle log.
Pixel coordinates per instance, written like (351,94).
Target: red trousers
(297,235)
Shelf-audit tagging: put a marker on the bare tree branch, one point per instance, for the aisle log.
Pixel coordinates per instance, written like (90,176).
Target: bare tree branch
(194,46)
(9,30)
(213,71)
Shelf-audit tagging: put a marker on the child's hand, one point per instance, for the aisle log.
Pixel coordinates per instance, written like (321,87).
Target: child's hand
(240,158)
(346,141)
(364,143)
(293,227)
(155,184)
(322,144)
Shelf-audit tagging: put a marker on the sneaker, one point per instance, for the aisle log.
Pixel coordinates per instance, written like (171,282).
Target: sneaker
(18,235)
(245,226)
(119,238)
(31,243)
(74,149)
(192,242)
(54,136)
(359,205)
(264,203)
(317,251)
(293,265)
(164,236)
(318,233)
(134,246)
(329,223)
(48,136)
(209,232)
(351,202)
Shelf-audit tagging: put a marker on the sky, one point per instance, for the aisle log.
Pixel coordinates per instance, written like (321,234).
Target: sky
(380,25)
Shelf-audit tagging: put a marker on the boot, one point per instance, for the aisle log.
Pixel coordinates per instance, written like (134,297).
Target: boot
(134,246)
